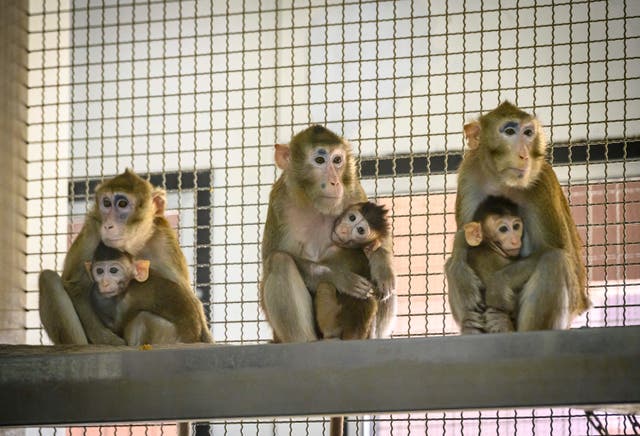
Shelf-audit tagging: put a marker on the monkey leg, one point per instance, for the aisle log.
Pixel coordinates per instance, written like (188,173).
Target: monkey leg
(464,289)
(357,316)
(545,301)
(148,328)
(287,301)
(59,318)
(327,311)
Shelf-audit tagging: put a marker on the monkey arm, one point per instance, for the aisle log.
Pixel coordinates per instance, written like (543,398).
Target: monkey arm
(382,274)
(96,332)
(464,288)
(502,286)
(345,281)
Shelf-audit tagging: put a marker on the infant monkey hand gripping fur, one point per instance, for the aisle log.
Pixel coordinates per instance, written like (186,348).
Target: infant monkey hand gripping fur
(506,158)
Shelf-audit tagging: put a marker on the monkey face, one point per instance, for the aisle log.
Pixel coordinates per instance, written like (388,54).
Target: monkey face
(351,230)
(505,231)
(112,277)
(325,166)
(512,145)
(115,209)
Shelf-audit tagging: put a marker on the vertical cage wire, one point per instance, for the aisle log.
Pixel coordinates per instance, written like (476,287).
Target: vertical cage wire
(194,95)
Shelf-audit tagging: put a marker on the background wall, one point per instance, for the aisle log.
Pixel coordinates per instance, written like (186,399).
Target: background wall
(196,94)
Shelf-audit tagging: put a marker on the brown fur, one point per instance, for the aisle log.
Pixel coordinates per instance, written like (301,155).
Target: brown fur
(340,315)
(297,240)
(157,242)
(556,291)
(145,290)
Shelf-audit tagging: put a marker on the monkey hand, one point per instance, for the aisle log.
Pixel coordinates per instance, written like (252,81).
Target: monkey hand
(353,284)
(497,321)
(384,280)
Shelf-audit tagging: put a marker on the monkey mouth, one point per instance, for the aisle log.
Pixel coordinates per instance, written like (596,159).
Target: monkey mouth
(113,242)
(339,241)
(513,252)
(336,238)
(519,173)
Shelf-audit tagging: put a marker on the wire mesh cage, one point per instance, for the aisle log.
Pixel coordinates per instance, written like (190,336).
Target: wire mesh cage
(194,95)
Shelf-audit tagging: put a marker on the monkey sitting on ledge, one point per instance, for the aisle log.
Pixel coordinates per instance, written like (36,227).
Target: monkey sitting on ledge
(134,302)
(495,239)
(361,226)
(506,157)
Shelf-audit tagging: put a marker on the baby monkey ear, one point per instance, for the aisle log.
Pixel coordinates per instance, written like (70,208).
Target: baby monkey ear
(473,233)
(142,270)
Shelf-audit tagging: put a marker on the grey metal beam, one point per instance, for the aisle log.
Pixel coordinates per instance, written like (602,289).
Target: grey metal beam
(63,385)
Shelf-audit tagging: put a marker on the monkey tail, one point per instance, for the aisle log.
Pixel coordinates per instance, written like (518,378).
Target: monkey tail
(337,426)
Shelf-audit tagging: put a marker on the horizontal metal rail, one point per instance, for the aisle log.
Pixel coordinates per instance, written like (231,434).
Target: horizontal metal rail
(42,385)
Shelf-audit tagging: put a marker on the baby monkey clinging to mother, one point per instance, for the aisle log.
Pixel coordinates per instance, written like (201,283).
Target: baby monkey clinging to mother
(507,157)
(363,226)
(495,240)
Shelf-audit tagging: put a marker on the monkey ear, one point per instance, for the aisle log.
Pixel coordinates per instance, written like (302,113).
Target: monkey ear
(159,198)
(472,134)
(142,269)
(283,156)
(473,233)
(87,266)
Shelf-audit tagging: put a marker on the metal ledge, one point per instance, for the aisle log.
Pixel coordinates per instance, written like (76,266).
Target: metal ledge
(73,385)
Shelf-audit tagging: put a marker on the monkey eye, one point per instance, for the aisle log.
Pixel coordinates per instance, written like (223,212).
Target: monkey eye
(122,203)
(516,226)
(510,131)
(113,270)
(99,271)
(337,160)
(352,217)
(319,160)
(503,229)
(360,230)
(106,202)
(528,132)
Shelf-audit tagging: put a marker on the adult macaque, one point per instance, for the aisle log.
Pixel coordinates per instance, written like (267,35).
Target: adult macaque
(128,215)
(506,158)
(363,226)
(495,238)
(317,184)
(140,305)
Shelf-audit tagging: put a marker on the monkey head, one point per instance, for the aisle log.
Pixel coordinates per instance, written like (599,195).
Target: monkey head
(361,224)
(510,143)
(112,270)
(126,206)
(498,224)
(318,168)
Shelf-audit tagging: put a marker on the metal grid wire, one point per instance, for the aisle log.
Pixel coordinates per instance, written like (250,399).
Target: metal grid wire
(196,93)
